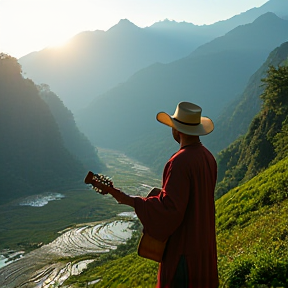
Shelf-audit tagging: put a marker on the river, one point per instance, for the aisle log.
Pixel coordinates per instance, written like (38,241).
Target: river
(42,267)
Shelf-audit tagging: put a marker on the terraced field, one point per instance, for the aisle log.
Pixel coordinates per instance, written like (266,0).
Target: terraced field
(73,247)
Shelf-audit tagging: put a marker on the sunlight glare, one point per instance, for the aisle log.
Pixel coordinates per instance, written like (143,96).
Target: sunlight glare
(58,42)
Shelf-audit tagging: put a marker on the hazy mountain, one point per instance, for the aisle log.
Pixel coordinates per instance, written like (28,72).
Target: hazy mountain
(213,77)
(33,156)
(75,141)
(93,62)
(236,118)
(278,7)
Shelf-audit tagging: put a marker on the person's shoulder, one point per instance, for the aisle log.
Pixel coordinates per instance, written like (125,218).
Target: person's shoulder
(196,152)
(180,156)
(208,152)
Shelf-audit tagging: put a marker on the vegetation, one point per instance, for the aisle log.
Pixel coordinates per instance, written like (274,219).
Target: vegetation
(266,140)
(252,230)
(26,228)
(32,154)
(75,141)
(251,209)
(252,237)
(212,76)
(251,219)
(121,268)
(236,117)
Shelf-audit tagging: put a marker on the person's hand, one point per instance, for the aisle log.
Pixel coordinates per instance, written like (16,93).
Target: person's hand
(154,192)
(120,196)
(100,188)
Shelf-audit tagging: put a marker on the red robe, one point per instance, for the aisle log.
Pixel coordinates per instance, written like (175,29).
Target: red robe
(184,212)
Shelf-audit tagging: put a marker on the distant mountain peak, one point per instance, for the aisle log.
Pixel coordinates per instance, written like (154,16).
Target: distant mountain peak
(125,22)
(123,25)
(172,24)
(166,20)
(269,16)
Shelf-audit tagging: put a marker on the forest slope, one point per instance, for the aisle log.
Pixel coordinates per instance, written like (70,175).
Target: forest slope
(33,155)
(266,140)
(236,117)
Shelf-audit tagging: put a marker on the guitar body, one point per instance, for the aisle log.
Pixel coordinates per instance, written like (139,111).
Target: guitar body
(148,247)
(151,248)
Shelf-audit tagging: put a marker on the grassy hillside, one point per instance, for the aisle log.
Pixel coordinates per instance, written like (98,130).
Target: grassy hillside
(252,237)
(252,230)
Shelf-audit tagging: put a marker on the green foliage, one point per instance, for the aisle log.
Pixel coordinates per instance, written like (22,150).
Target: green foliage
(252,239)
(75,141)
(239,271)
(266,141)
(128,271)
(25,227)
(276,91)
(252,232)
(270,271)
(122,268)
(32,155)
(254,271)
(236,117)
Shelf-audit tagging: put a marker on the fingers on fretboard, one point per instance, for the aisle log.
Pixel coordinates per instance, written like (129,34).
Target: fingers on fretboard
(102,179)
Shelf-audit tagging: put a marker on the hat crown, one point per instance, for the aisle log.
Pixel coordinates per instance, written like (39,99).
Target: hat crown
(188,113)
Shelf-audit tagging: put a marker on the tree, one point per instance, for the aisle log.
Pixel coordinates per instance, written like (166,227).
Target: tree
(275,95)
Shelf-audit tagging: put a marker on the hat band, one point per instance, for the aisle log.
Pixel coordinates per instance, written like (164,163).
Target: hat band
(190,124)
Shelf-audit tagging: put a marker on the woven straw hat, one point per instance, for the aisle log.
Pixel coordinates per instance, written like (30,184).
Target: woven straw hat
(187,119)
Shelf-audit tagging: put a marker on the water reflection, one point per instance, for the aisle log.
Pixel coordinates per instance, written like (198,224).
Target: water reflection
(82,240)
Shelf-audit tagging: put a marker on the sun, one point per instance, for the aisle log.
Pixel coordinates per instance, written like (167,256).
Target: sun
(58,42)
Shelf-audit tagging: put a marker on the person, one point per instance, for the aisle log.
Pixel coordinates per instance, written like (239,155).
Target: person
(183,211)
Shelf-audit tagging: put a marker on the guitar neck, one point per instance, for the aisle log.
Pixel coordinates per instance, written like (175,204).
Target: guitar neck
(102,180)
(104,185)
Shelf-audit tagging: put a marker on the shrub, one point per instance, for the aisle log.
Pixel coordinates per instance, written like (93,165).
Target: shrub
(240,270)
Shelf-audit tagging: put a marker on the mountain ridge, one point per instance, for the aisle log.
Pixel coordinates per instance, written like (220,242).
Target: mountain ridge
(32,151)
(211,80)
(265,141)
(103,63)
(232,123)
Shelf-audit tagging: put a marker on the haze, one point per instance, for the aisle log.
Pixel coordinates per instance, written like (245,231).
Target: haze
(31,25)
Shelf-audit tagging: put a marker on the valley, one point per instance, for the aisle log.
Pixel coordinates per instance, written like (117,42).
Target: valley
(80,242)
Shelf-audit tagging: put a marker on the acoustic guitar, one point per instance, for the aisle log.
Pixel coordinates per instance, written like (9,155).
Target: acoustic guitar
(148,246)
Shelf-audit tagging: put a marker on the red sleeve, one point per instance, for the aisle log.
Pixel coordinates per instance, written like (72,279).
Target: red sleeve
(162,214)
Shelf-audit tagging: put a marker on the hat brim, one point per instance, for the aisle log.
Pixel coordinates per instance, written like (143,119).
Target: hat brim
(205,127)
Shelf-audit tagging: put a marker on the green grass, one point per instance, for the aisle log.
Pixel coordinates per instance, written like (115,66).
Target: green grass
(120,273)
(122,268)
(252,239)
(24,227)
(252,232)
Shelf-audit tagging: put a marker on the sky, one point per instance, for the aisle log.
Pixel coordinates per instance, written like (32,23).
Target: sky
(32,25)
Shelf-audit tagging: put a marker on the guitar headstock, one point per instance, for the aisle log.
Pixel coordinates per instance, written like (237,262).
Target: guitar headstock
(91,178)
